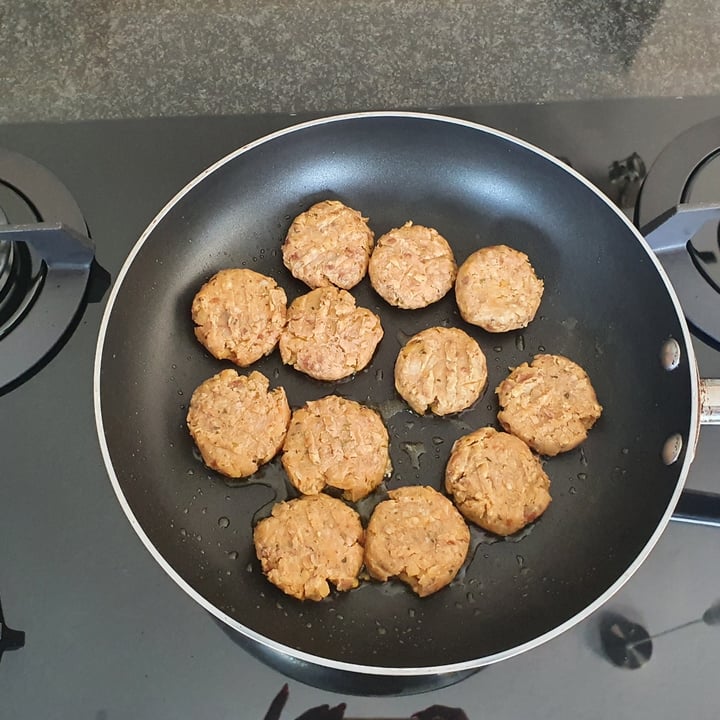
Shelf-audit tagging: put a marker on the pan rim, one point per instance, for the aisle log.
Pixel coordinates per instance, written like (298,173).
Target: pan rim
(377,669)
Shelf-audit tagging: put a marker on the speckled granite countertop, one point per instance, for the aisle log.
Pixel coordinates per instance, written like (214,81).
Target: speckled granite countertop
(63,59)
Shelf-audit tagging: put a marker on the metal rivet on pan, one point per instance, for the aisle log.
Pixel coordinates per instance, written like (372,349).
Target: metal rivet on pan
(672,448)
(670,354)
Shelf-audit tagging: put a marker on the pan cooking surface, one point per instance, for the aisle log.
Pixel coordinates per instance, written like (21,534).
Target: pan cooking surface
(604,306)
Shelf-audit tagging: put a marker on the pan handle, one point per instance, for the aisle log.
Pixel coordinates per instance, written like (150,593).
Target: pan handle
(710,402)
(702,508)
(698,508)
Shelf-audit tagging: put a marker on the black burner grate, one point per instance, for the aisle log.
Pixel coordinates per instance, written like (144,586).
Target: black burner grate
(45,262)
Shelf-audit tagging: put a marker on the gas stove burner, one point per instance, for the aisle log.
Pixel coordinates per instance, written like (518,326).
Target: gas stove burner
(7,269)
(45,262)
(676,212)
(21,277)
(703,187)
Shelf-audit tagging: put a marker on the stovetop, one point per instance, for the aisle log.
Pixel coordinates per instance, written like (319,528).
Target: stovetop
(109,635)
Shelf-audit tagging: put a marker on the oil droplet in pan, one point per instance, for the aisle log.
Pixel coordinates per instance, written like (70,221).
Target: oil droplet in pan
(390,408)
(414,451)
(223,522)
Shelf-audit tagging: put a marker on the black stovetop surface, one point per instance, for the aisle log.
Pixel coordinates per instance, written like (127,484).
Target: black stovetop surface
(109,635)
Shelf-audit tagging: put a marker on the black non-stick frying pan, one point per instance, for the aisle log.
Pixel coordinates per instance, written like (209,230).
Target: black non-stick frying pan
(607,305)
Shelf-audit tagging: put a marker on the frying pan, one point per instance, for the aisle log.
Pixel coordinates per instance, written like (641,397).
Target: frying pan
(607,305)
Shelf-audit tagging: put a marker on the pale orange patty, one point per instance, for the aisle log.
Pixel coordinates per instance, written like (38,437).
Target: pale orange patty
(412,266)
(337,442)
(418,537)
(496,481)
(497,289)
(440,369)
(308,543)
(327,337)
(550,404)
(237,422)
(239,315)
(329,244)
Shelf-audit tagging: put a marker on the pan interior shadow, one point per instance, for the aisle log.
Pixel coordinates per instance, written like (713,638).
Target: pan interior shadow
(344,682)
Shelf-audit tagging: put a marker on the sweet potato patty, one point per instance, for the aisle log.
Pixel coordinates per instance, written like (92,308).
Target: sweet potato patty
(336,442)
(550,404)
(329,244)
(237,422)
(417,536)
(497,289)
(441,369)
(496,481)
(412,266)
(308,542)
(239,315)
(327,337)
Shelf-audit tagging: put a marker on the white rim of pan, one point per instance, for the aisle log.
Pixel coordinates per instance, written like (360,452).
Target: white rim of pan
(371,669)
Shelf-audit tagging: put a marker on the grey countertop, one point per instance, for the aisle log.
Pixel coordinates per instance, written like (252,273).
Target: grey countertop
(64,60)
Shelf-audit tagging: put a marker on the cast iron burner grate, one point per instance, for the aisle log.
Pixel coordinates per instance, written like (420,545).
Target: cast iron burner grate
(21,277)
(685,177)
(46,258)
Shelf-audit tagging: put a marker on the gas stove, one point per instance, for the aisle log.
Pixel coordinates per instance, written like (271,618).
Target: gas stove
(108,634)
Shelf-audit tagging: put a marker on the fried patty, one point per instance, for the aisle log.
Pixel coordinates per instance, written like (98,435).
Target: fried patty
(441,369)
(327,337)
(496,481)
(412,266)
(239,315)
(497,289)
(329,244)
(550,404)
(237,422)
(307,543)
(417,536)
(336,442)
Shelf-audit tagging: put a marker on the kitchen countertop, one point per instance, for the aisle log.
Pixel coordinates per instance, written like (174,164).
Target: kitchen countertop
(64,60)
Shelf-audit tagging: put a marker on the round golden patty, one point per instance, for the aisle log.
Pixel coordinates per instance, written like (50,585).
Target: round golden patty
(497,289)
(239,315)
(417,536)
(327,337)
(237,423)
(336,442)
(329,244)
(412,266)
(308,542)
(550,404)
(496,481)
(442,369)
